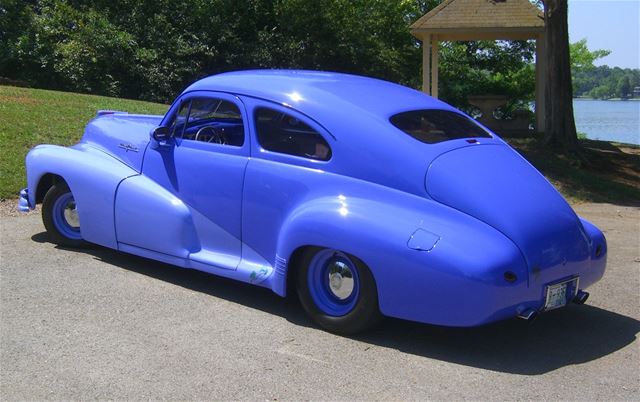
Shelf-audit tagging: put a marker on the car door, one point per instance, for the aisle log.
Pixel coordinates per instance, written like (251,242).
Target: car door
(290,153)
(203,166)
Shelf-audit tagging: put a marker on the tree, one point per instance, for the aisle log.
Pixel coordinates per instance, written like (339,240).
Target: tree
(624,87)
(582,58)
(487,67)
(600,92)
(560,126)
(152,49)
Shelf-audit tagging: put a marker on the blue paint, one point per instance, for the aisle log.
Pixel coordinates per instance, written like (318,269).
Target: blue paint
(437,225)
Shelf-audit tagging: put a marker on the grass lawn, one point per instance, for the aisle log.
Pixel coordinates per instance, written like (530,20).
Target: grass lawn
(29,117)
(32,116)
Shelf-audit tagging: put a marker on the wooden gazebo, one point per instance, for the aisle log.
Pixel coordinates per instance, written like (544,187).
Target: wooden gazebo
(468,20)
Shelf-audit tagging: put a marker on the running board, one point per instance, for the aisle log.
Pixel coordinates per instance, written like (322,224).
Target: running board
(256,273)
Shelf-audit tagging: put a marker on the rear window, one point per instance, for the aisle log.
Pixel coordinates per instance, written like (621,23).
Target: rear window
(433,126)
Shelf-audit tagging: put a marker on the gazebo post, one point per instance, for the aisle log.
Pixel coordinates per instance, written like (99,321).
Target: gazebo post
(434,68)
(426,63)
(541,66)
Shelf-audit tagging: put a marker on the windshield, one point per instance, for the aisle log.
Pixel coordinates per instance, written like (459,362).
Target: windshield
(432,126)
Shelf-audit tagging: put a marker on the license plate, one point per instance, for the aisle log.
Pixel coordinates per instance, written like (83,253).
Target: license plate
(559,294)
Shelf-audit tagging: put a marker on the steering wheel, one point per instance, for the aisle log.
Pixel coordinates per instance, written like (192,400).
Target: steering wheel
(210,134)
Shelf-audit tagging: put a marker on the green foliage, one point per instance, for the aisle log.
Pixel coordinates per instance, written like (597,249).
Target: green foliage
(487,67)
(602,82)
(90,52)
(150,49)
(582,58)
(624,87)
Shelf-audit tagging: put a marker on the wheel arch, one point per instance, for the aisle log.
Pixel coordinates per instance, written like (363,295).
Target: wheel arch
(292,268)
(354,234)
(46,181)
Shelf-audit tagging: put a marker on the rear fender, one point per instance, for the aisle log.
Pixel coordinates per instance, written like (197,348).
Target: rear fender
(456,253)
(93,178)
(598,254)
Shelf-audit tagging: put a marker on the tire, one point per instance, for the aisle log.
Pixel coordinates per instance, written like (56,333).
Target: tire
(62,228)
(337,291)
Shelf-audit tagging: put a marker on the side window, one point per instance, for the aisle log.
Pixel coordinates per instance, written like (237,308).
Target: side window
(210,120)
(280,132)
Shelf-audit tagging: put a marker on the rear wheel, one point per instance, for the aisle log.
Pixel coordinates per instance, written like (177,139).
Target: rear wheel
(60,216)
(338,291)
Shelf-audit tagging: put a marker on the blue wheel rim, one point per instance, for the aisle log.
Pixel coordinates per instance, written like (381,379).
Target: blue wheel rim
(62,223)
(332,295)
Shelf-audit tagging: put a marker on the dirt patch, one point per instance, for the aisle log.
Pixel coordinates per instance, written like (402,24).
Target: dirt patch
(10,208)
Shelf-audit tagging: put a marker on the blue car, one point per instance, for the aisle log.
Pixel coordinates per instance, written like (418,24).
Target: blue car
(366,198)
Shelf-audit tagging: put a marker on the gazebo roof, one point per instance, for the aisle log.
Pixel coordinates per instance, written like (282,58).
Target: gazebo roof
(481,19)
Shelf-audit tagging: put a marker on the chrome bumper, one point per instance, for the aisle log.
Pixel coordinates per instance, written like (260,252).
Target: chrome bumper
(23,201)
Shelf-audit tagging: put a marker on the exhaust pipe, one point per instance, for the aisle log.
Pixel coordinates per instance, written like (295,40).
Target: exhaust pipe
(529,315)
(581,297)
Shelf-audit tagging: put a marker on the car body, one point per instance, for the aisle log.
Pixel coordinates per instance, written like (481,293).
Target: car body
(372,190)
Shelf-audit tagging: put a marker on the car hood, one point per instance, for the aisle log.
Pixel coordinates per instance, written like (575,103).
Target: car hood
(494,184)
(124,136)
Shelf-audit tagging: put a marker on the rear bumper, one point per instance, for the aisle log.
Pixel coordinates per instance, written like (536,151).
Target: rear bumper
(23,201)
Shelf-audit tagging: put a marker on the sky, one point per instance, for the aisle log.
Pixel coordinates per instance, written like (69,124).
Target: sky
(608,24)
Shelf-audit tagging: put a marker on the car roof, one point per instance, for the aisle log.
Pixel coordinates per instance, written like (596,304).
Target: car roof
(320,94)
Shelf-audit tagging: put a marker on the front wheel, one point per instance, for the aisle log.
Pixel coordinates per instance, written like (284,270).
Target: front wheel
(338,291)
(60,216)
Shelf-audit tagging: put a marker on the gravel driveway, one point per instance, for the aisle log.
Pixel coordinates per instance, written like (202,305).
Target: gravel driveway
(96,324)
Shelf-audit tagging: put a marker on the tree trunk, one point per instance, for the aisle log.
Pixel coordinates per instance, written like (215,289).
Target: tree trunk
(560,126)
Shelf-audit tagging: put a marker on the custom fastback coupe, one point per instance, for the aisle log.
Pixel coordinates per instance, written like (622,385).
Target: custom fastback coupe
(367,198)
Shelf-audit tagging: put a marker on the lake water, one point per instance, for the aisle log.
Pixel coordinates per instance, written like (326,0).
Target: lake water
(608,120)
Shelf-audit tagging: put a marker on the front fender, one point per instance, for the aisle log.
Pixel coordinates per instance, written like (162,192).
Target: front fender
(92,176)
(461,272)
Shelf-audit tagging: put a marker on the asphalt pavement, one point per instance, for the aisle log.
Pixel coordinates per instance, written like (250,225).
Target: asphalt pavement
(98,324)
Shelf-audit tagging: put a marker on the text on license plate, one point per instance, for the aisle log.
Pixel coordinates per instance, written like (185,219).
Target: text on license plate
(560,294)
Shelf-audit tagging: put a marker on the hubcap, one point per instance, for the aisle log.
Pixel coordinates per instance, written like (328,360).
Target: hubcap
(340,279)
(70,213)
(66,218)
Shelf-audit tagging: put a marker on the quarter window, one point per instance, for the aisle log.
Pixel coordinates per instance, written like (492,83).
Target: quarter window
(209,120)
(280,132)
